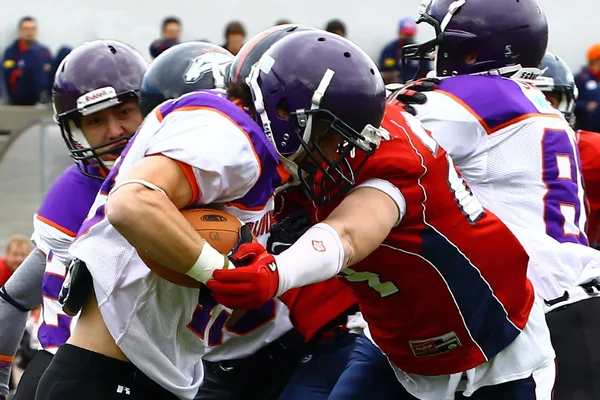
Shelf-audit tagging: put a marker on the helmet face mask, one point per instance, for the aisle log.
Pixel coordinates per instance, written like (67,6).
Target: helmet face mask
(94,77)
(318,116)
(78,137)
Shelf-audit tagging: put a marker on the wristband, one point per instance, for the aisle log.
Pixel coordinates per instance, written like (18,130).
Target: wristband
(208,261)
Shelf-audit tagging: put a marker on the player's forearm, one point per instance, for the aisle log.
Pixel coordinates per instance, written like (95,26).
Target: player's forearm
(345,238)
(154,226)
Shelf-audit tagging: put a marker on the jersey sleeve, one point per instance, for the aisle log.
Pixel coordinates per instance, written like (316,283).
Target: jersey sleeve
(399,164)
(49,237)
(391,190)
(456,129)
(216,155)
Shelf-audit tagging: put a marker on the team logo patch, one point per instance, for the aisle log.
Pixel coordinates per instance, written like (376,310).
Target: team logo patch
(318,246)
(434,346)
(201,65)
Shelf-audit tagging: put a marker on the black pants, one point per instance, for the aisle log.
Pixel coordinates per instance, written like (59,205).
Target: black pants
(575,333)
(31,377)
(261,376)
(78,374)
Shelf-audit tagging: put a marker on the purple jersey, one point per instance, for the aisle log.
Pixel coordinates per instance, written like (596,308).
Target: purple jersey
(56,223)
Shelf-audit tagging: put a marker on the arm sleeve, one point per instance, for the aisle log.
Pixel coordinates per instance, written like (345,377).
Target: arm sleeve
(21,292)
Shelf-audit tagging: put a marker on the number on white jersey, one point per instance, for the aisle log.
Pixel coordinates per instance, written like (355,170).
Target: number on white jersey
(561,174)
(204,322)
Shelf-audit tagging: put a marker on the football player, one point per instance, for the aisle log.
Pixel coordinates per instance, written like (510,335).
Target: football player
(96,105)
(324,312)
(260,359)
(85,187)
(516,152)
(139,334)
(574,322)
(558,84)
(441,281)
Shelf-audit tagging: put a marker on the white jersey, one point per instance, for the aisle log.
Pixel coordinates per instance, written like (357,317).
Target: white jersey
(520,157)
(56,223)
(158,325)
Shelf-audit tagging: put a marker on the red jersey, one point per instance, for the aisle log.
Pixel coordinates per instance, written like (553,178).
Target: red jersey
(447,290)
(314,306)
(589,150)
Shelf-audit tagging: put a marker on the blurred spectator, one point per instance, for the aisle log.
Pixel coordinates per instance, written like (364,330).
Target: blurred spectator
(27,66)
(283,21)
(390,61)
(170,36)
(336,26)
(62,53)
(17,250)
(235,34)
(587,110)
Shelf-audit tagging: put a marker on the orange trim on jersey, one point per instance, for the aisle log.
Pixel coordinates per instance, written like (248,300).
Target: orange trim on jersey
(55,274)
(56,226)
(159,115)
(6,358)
(191,178)
(45,296)
(284,175)
(485,126)
(195,108)
(521,118)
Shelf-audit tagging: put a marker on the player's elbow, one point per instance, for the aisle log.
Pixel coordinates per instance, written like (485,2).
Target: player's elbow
(127,205)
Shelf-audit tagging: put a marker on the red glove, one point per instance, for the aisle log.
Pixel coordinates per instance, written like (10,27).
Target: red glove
(249,286)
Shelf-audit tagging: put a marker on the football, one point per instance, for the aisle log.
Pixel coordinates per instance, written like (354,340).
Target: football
(219,228)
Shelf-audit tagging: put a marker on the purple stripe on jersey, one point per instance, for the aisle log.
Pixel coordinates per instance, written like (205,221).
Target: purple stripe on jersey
(269,179)
(253,319)
(495,100)
(484,315)
(4,364)
(51,285)
(69,199)
(54,336)
(88,223)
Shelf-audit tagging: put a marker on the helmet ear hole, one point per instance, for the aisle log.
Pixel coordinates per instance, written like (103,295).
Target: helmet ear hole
(471,57)
(283,110)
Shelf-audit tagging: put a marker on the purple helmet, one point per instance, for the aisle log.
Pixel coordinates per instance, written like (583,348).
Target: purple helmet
(254,48)
(476,36)
(94,76)
(318,76)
